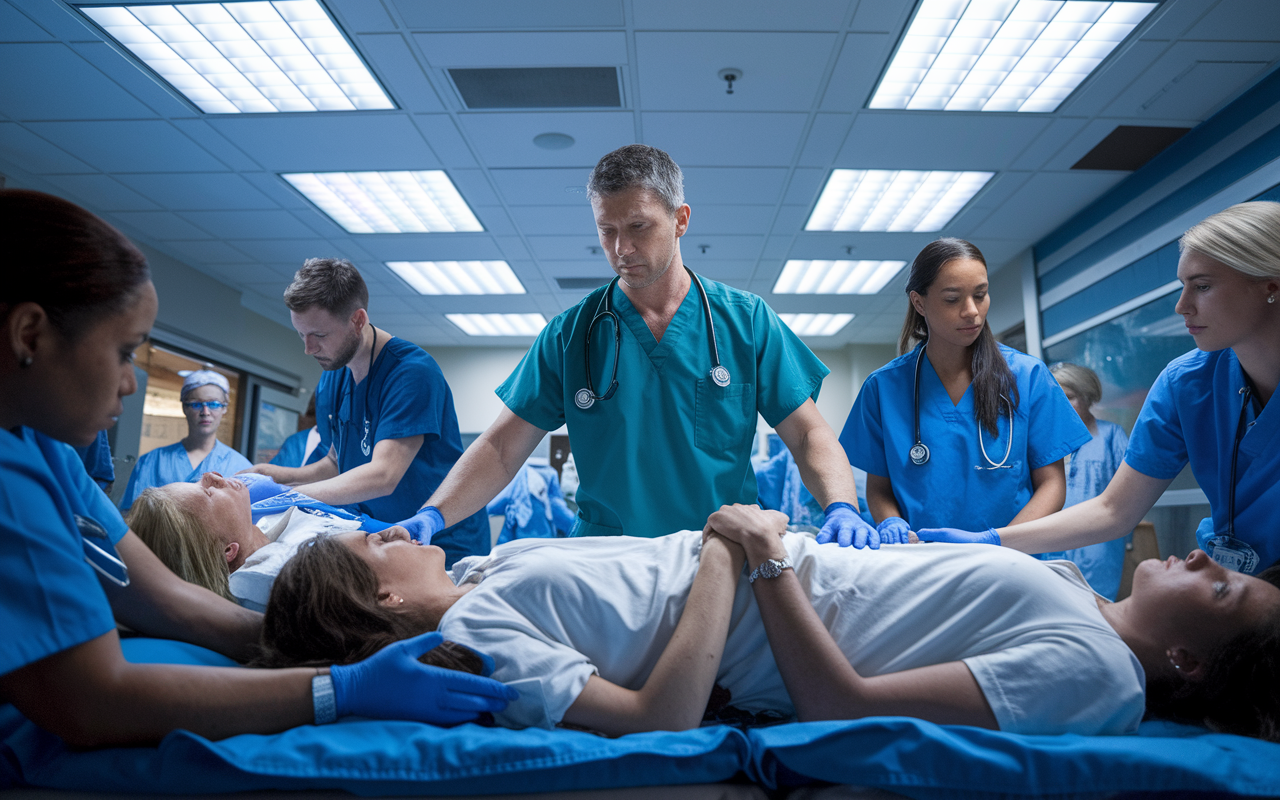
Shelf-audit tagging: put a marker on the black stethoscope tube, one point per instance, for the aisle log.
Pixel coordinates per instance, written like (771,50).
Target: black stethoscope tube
(919,452)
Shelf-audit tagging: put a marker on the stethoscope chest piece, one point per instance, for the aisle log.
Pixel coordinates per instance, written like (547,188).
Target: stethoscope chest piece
(720,375)
(919,454)
(584,399)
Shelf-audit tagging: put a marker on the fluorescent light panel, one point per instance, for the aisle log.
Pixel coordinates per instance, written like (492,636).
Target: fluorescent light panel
(458,277)
(388,202)
(836,277)
(816,324)
(499,324)
(893,200)
(1002,55)
(259,57)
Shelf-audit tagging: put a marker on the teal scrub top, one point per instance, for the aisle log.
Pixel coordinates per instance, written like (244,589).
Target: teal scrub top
(670,446)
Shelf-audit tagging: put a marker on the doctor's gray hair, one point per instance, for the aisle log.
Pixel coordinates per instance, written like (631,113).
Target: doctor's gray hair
(71,263)
(333,284)
(1245,237)
(638,166)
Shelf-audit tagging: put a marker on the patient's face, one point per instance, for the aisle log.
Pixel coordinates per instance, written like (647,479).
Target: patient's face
(1200,601)
(404,568)
(221,503)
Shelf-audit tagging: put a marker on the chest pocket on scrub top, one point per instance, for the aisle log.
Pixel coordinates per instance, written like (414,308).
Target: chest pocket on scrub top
(724,416)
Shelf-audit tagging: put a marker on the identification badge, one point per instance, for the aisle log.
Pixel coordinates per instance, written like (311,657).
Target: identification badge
(1233,553)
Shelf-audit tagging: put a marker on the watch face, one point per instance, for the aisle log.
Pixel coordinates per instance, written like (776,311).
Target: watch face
(772,568)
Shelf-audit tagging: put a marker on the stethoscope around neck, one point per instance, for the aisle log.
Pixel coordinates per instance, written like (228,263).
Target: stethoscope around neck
(586,397)
(919,452)
(340,437)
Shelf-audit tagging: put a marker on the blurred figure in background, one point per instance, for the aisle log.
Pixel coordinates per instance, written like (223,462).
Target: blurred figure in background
(302,448)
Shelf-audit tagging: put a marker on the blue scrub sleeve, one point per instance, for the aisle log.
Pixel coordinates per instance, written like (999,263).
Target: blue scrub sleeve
(66,464)
(535,389)
(789,371)
(413,403)
(1157,447)
(1055,428)
(863,435)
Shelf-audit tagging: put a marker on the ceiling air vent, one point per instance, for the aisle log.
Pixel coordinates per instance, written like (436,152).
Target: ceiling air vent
(538,87)
(1128,147)
(581,283)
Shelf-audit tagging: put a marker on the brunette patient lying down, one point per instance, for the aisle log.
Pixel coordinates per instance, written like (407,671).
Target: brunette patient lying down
(624,634)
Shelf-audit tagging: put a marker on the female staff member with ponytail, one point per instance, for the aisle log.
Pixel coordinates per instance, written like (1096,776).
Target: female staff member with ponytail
(959,427)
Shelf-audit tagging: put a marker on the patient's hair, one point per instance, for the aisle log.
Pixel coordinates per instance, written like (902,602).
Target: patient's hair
(181,540)
(324,609)
(1239,694)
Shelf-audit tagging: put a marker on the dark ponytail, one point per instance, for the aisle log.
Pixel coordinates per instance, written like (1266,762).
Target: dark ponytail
(993,381)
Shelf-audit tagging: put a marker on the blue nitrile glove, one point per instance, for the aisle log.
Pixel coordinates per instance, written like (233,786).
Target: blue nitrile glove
(846,527)
(423,525)
(260,486)
(957,536)
(893,530)
(393,684)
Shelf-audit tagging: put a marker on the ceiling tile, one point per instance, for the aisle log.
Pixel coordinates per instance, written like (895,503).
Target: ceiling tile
(565,248)
(506,140)
(545,187)
(717,15)
(58,19)
(361,16)
(729,220)
(242,275)
(725,140)
(1191,79)
(474,187)
(938,140)
(431,247)
(330,143)
(1048,143)
(1116,73)
(790,219)
(825,137)
(780,71)
(1239,20)
(448,144)
(18,27)
(159,225)
(720,248)
(233,225)
(862,58)
(83,91)
(554,220)
(877,15)
(524,49)
(805,186)
(743,185)
(101,193)
(130,146)
(204,135)
(1044,202)
(293,251)
(507,14)
(194,191)
(513,248)
(205,252)
(135,79)
(393,62)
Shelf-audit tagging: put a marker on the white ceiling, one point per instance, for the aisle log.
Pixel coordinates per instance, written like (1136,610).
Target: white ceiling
(79,118)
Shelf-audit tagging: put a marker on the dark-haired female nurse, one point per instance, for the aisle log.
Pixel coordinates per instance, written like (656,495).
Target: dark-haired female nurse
(959,428)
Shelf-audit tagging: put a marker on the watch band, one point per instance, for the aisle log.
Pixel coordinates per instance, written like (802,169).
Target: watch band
(770,568)
(323,700)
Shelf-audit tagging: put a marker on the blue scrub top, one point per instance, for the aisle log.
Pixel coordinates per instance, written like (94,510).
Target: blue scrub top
(170,464)
(294,447)
(406,396)
(97,461)
(1088,473)
(50,598)
(1190,416)
(532,506)
(670,446)
(949,490)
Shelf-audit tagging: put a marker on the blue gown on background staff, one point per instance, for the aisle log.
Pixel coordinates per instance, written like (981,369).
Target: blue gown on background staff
(956,487)
(670,446)
(406,396)
(170,464)
(1192,415)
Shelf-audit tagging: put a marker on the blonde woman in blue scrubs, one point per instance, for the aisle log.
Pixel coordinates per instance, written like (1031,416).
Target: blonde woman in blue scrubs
(77,305)
(959,430)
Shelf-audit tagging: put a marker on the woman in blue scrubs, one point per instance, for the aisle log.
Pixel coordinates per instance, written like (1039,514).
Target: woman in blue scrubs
(959,427)
(78,303)
(1210,408)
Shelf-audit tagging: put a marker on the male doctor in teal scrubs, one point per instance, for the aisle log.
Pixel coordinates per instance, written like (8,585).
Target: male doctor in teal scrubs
(672,442)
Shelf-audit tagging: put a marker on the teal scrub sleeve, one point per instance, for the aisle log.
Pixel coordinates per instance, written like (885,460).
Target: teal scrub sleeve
(1054,428)
(535,389)
(412,401)
(789,373)
(1157,447)
(863,435)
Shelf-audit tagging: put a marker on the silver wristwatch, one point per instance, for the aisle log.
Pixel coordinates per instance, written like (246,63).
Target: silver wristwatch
(770,568)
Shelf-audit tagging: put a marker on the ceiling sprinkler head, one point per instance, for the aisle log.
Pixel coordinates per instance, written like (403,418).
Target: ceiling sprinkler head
(729,75)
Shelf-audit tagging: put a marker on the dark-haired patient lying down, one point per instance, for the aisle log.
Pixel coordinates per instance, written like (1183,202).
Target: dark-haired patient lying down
(622,634)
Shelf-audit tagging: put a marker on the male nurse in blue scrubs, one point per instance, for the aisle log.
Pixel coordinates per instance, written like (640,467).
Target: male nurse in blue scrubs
(672,442)
(383,409)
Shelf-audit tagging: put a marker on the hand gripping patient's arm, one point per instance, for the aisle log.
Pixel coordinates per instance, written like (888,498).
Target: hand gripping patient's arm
(675,695)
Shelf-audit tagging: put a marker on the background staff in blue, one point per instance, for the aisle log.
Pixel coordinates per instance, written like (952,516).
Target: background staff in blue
(670,441)
(205,395)
(959,431)
(1211,408)
(78,303)
(383,408)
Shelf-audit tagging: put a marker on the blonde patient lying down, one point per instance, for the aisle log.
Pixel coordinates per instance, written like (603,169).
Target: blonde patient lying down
(621,635)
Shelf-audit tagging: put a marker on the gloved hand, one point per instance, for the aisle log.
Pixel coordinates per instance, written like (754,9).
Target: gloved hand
(844,526)
(423,525)
(893,530)
(393,684)
(260,486)
(957,536)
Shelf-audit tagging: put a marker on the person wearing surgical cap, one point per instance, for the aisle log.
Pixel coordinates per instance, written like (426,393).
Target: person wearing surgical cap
(205,397)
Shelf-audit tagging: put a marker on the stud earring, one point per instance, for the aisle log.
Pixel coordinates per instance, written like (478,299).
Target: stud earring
(26,362)
(1271,299)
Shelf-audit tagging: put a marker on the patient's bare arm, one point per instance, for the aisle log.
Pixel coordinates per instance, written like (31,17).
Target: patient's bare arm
(820,680)
(675,695)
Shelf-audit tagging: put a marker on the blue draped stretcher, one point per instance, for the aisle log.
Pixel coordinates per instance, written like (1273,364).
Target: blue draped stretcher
(914,758)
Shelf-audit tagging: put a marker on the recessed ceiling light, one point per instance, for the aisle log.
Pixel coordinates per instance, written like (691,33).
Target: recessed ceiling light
(259,57)
(499,324)
(388,202)
(1002,55)
(836,277)
(893,200)
(816,324)
(458,277)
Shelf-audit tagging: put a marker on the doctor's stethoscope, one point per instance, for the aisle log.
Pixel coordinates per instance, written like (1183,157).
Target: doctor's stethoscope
(919,452)
(1228,550)
(340,440)
(586,397)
